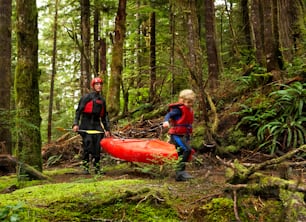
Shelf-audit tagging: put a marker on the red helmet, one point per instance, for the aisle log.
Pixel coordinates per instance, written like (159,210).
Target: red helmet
(96,80)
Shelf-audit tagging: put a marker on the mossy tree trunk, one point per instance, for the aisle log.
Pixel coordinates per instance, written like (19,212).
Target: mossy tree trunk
(113,95)
(28,118)
(5,75)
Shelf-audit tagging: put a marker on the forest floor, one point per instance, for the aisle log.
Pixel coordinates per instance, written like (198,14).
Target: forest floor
(209,183)
(62,159)
(209,179)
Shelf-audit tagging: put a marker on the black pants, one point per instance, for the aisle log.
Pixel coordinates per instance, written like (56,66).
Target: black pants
(91,146)
(182,144)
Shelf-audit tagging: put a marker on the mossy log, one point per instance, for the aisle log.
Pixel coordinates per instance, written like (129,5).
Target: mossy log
(247,180)
(260,183)
(239,174)
(13,163)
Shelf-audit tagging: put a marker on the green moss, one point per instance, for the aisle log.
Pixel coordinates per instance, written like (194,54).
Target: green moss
(7,181)
(294,205)
(256,209)
(116,200)
(60,171)
(250,209)
(197,136)
(235,140)
(228,149)
(219,210)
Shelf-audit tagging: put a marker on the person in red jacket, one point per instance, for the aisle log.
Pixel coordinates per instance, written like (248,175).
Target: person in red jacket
(180,119)
(91,112)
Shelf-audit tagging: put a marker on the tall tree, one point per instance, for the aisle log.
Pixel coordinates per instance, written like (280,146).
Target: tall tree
(246,29)
(194,61)
(26,86)
(103,64)
(270,36)
(291,16)
(213,58)
(96,37)
(277,29)
(5,75)
(54,55)
(85,47)
(152,58)
(172,47)
(256,27)
(113,96)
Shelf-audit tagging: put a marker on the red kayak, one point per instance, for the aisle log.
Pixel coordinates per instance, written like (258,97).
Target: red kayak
(152,151)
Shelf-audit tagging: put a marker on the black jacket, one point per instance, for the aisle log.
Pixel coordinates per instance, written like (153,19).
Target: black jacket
(92,111)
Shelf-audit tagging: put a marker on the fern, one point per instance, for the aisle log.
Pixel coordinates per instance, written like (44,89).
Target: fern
(281,126)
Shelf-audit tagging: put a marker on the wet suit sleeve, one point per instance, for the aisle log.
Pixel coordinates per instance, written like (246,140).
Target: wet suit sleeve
(174,113)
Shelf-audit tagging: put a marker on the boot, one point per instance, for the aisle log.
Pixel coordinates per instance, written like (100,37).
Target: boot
(182,176)
(187,175)
(179,176)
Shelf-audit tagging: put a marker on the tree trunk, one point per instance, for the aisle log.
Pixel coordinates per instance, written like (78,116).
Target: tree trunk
(290,22)
(233,33)
(5,75)
(54,55)
(213,58)
(103,65)
(270,41)
(298,27)
(96,38)
(256,26)
(28,118)
(172,54)
(152,92)
(246,29)
(113,95)
(85,54)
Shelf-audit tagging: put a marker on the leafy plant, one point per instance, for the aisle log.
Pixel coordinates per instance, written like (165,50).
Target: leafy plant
(282,124)
(10,213)
(288,130)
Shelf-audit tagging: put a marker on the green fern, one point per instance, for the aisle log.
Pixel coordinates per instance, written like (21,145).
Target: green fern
(282,125)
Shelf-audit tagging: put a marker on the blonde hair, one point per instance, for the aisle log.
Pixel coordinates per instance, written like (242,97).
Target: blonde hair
(187,94)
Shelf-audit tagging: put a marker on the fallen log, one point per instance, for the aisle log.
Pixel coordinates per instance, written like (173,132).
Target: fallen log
(239,174)
(264,183)
(30,171)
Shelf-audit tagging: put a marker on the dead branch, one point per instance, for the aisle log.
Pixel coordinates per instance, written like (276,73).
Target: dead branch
(276,160)
(235,206)
(207,197)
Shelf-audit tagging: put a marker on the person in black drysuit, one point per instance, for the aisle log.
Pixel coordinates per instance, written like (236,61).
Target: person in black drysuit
(92,112)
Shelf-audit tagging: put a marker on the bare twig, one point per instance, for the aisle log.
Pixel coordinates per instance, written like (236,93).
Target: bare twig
(235,206)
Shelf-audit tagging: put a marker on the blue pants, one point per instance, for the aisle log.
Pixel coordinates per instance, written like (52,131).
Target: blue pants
(182,144)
